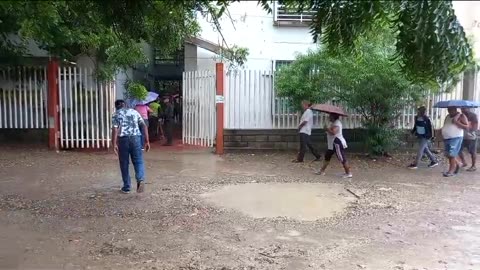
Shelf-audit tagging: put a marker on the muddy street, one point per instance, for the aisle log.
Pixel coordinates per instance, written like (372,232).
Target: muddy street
(240,211)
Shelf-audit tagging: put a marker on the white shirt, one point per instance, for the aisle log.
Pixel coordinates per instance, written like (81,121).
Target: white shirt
(339,135)
(307,116)
(451,130)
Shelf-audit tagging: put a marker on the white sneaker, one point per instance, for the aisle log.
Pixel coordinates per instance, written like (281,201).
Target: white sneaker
(320,173)
(347,176)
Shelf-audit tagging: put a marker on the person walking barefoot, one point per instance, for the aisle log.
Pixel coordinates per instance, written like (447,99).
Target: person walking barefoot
(336,145)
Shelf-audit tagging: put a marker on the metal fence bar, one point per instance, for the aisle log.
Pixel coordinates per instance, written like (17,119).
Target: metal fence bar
(21,97)
(110,93)
(44,99)
(10,91)
(184,126)
(97,126)
(102,122)
(71,86)
(92,115)
(37,103)
(3,102)
(64,110)
(61,88)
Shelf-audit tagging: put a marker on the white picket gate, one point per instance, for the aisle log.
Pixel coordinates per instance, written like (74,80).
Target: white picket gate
(23,97)
(199,112)
(86,106)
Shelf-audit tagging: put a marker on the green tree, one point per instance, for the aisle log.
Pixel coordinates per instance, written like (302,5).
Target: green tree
(370,82)
(109,30)
(429,41)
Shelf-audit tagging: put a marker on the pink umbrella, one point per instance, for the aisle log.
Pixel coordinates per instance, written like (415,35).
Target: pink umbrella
(327,108)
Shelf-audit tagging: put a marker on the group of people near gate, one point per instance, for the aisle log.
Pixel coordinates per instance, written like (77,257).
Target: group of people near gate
(161,118)
(459,132)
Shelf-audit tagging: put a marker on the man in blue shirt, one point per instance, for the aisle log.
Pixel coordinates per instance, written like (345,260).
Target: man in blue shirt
(127,143)
(423,129)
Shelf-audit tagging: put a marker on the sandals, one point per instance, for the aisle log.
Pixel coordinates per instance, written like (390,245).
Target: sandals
(472,169)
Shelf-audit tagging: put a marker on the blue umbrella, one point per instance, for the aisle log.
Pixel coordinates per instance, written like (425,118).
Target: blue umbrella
(457,104)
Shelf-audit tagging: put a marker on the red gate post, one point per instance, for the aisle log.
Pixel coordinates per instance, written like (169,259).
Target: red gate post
(219,104)
(52,103)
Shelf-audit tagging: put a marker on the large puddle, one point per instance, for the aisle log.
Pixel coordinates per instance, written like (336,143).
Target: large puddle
(300,201)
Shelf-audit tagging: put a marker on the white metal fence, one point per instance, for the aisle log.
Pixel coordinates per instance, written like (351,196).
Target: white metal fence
(23,97)
(86,106)
(199,112)
(251,102)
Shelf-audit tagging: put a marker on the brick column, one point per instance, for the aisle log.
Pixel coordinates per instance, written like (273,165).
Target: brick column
(219,104)
(52,102)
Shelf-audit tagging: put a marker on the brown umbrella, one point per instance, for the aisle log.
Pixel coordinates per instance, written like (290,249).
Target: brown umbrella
(327,108)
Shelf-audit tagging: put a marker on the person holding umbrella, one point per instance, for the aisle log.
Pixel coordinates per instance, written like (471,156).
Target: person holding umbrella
(336,143)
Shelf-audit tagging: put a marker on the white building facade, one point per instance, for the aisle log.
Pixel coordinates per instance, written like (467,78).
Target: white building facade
(277,37)
(270,37)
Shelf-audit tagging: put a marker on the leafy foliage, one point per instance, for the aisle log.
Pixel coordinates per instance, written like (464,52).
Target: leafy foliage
(430,42)
(136,91)
(369,82)
(110,30)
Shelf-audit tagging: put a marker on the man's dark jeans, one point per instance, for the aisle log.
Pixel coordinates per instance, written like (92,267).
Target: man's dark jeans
(304,143)
(168,128)
(130,147)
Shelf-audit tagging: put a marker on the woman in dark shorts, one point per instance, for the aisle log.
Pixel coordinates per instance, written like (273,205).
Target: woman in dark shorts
(336,146)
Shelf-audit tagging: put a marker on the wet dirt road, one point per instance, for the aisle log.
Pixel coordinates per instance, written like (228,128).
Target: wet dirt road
(64,211)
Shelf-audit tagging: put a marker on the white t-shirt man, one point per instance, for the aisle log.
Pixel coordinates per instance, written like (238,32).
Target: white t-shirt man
(307,117)
(339,135)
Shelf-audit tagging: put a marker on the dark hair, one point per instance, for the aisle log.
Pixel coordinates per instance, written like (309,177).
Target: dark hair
(335,116)
(119,103)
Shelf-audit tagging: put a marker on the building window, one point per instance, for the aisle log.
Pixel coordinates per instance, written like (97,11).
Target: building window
(176,58)
(280,63)
(290,16)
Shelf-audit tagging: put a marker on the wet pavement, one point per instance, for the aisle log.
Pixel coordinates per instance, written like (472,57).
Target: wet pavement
(64,211)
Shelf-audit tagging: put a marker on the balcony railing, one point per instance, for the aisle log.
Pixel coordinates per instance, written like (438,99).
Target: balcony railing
(290,16)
